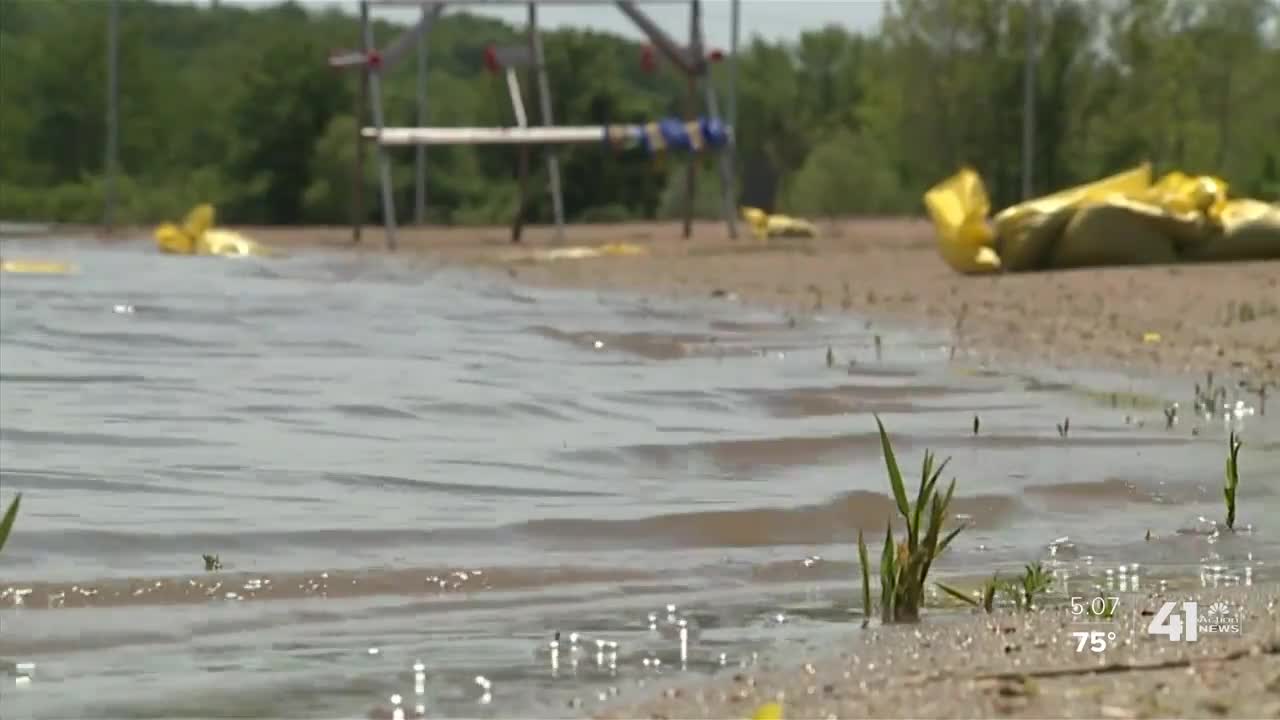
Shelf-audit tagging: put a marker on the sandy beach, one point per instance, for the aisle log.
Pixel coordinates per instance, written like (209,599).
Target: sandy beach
(1013,665)
(1182,320)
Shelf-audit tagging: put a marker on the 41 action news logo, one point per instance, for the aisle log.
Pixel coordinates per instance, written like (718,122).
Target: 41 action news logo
(1187,626)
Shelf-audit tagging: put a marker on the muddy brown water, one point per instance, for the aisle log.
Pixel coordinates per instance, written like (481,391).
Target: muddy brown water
(414,477)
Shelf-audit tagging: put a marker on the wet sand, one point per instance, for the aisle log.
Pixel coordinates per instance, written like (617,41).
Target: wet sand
(1013,665)
(1219,317)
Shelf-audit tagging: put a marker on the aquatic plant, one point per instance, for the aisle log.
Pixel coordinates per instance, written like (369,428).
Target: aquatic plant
(1023,592)
(1233,478)
(10,515)
(1034,582)
(904,567)
(987,598)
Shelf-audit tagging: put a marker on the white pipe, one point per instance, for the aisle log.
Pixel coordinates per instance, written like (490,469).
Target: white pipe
(564,135)
(483,3)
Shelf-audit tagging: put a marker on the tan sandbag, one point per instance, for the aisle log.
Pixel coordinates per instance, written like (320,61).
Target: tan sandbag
(1115,233)
(1251,232)
(1028,244)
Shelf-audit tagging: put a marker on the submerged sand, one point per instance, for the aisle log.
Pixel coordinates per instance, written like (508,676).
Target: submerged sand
(1014,665)
(1184,319)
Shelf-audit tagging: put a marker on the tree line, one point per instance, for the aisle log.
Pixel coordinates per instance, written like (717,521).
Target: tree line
(237,106)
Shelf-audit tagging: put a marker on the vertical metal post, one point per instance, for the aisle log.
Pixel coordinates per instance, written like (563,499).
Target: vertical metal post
(375,106)
(420,152)
(735,21)
(112,159)
(522,120)
(728,208)
(544,104)
(691,166)
(361,113)
(1029,102)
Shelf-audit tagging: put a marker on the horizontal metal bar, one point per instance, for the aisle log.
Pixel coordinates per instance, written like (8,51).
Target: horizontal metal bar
(498,3)
(536,135)
(562,135)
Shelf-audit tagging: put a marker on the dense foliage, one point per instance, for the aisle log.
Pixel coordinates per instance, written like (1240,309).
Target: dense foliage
(237,106)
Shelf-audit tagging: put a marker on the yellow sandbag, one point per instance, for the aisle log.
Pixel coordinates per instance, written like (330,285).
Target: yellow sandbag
(1027,232)
(1180,193)
(580,252)
(199,219)
(764,226)
(198,236)
(171,239)
(37,267)
(1130,183)
(959,207)
(1116,232)
(1251,231)
(1026,241)
(228,243)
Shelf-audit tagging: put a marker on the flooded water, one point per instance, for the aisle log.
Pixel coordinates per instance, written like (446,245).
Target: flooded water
(412,478)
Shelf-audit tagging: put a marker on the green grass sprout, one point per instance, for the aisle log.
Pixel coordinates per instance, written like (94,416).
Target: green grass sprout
(10,515)
(1233,478)
(904,566)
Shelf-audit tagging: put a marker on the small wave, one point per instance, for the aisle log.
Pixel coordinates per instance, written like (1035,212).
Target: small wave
(648,345)
(330,584)
(835,521)
(369,410)
(28,479)
(128,339)
(434,486)
(70,379)
(53,437)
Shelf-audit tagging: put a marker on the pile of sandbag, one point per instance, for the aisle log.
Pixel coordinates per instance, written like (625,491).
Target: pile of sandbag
(198,236)
(1125,219)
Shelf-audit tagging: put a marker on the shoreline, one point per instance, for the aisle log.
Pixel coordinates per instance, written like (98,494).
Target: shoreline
(1011,664)
(887,269)
(1182,320)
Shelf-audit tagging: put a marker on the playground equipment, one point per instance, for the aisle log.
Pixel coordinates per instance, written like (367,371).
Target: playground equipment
(1124,219)
(690,134)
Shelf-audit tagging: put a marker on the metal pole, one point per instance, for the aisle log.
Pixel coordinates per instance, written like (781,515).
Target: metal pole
(384,161)
(111,161)
(361,113)
(691,166)
(730,161)
(544,103)
(735,21)
(1029,103)
(725,161)
(420,153)
(522,121)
